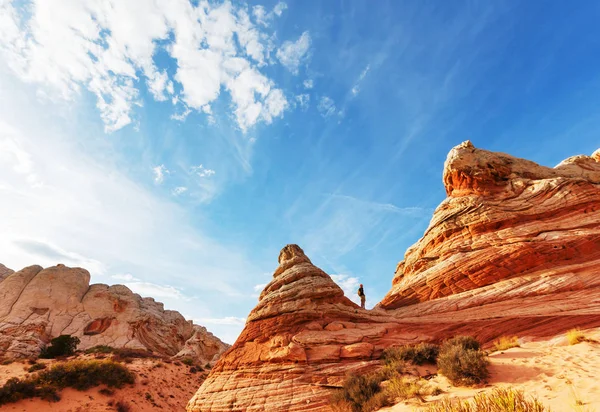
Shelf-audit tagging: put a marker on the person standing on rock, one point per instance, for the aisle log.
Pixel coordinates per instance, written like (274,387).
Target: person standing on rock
(361,294)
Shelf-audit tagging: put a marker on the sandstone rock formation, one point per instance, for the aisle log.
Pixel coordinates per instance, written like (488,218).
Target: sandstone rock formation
(533,228)
(513,250)
(38,304)
(4,272)
(303,337)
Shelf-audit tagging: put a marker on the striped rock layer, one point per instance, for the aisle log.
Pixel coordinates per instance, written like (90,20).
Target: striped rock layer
(513,250)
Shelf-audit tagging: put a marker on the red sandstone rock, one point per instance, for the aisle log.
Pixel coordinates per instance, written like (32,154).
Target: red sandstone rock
(38,304)
(513,250)
(505,218)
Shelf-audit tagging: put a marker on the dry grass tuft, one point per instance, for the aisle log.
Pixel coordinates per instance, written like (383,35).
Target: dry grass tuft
(575,336)
(505,342)
(499,400)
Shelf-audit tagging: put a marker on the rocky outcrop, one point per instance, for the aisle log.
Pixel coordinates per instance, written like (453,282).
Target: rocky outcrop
(507,222)
(39,304)
(302,337)
(513,250)
(4,272)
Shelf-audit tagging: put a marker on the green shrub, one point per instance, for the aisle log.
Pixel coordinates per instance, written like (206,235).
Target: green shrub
(83,374)
(187,361)
(63,345)
(78,374)
(36,367)
(100,349)
(499,400)
(418,354)
(463,366)
(505,342)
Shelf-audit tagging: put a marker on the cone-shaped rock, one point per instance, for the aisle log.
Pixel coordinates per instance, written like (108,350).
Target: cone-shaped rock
(302,338)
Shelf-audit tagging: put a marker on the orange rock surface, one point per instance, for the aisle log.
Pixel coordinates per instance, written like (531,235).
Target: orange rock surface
(513,250)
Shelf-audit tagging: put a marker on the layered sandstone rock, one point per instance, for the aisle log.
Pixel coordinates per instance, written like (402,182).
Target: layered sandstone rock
(302,338)
(513,250)
(38,304)
(508,222)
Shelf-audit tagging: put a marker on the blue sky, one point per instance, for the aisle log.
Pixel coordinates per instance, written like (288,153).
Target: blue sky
(176,147)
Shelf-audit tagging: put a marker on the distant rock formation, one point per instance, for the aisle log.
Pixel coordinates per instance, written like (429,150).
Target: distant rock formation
(4,272)
(39,304)
(513,250)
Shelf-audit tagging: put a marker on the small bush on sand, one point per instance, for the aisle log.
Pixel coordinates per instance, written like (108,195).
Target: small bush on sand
(63,345)
(122,406)
(499,400)
(187,361)
(575,336)
(78,374)
(462,361)
(505,342)
(466,342)
(100,349)
(127,354)
(418,354)
(364,393)
(36,367)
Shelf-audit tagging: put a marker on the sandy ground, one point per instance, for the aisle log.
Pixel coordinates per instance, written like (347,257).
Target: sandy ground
(159,386)
(563,377)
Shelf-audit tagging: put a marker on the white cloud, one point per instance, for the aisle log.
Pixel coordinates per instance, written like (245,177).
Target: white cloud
(159,173)
(127,277)
(109,48)
(326,106)
(146,289)
(201,171)
(308,84)
(179,190)
(263,17)
(259,288)
(293,54)
(349,285)
(356,88)
(303,100)
(229,320)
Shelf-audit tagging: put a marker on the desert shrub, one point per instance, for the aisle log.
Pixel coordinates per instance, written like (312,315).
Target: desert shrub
(462,362)
(418,354)
(6,362)
(499,400)
(122,406)
(107,392)
(575,336)
(100,349)
(126,354)
(466,342)
(505,342)
(187,361)
(363,393)
(63,345)
(83,374)
(36,367)
(78,374)
(407,388)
